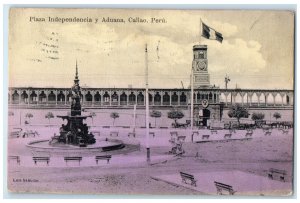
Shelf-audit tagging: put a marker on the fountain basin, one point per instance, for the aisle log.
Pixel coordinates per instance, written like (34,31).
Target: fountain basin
(100,146)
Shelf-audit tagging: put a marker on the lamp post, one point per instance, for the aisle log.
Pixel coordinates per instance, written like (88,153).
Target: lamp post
(20,117)
(134,117)
(192,99)
(147,105)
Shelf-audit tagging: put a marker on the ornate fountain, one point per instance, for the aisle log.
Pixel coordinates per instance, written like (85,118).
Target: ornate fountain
(75,132)
(74,137)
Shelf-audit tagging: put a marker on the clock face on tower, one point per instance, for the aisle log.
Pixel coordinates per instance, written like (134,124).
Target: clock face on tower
(201,65)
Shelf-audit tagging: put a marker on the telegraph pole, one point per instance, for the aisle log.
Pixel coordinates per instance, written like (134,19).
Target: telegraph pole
(227,79)
(147,105)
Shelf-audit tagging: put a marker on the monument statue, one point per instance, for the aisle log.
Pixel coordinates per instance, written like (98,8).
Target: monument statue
(75,132)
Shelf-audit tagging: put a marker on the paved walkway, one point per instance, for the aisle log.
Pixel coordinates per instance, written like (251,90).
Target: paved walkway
(243,183)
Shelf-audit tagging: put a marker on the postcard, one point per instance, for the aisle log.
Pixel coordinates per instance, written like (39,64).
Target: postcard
(155,102)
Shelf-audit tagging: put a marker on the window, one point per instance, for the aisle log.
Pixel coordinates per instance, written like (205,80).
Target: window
(201,55)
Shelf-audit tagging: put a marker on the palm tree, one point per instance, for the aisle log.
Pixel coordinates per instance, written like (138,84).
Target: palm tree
(92,115)
(49,115)
(114,115)
(155,114)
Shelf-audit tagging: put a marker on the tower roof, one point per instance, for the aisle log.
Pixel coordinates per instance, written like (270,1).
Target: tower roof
(76,80)
(76,74)
(199,47)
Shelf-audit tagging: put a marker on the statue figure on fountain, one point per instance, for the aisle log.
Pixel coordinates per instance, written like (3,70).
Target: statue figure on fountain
(75,132)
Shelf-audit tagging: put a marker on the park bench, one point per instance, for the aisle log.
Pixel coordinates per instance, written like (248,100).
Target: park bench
(195,133)
(174,134)
(152,133)
(181,139)
(249,134)
(73,158)
(31,133)
(16,132)
(114,133)
(17,158)
(131,134)
(284,131)
(227,136)
(214,131)
(232,130)
(274,125)
(103,157)
(265,128)
(268,133)
(281,174)
(221,186)
(205,136)
(41,159)
(189,177)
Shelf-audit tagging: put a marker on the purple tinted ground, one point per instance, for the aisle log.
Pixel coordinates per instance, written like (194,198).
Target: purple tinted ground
(130,174)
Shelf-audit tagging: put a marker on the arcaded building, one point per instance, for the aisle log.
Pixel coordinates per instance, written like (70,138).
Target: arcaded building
(209,100)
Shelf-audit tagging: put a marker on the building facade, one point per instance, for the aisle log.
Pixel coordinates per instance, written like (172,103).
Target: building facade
(209,101)
(122,97)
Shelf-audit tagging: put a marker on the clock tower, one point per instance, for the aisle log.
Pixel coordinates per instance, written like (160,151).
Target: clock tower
(201,76)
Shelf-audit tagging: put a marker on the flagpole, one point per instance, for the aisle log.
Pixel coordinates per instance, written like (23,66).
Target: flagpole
(192,99)
(147,105)
(200,31)
(192,84)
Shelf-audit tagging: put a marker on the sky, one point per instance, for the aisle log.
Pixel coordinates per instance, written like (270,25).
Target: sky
(257,51)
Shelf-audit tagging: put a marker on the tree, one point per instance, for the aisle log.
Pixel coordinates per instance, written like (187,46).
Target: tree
(114,115)
(175,114)
(92,115)
(257,116)
(49,115)
(29,116)
(276,115)
(238,112)
(155,114)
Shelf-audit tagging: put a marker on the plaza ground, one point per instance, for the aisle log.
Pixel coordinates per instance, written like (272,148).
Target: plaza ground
(129,173)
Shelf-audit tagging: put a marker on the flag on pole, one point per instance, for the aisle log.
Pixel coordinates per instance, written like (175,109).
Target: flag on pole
(210,33)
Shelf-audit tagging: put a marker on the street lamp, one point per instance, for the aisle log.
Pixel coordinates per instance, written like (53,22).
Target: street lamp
(192,99)
(147,105)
